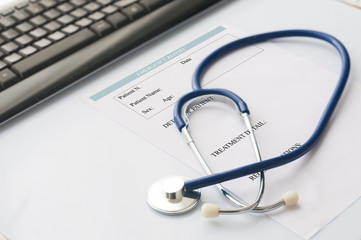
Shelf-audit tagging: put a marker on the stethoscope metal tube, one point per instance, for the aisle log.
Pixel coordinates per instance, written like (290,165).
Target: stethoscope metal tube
(243,208)
(191,187)
(232,99)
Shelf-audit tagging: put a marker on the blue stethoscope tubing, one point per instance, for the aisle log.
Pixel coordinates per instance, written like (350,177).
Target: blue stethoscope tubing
(276,161)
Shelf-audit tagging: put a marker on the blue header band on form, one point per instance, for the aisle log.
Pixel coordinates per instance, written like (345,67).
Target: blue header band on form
(156,64)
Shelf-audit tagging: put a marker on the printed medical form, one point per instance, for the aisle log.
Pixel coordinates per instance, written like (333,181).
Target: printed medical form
(285,95)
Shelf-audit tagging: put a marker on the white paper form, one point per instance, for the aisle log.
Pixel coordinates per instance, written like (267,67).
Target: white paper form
(286,96)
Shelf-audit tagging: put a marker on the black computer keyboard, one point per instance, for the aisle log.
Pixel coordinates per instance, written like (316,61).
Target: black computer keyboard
(47,45)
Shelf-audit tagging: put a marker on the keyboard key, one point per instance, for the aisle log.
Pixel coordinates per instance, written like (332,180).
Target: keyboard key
(34,9)
(124,3)
(38,20)
(52,26)
(2,65)
(42,43)
(47,3)
(38,33)
(54,52)
(56,36)
(6,12)
(7,22)
(134,11)
(84,22)
(65,19)
(9,47)
(24,27)
(24,40)
(8,78)
(101,28)
(13,58)
(65,7)
(70,29)
(117,20)
(109,9)
(104,2)
(79,13)
(153,4)
(96,16)
(28,51)
(91,7)
(78,3)
(52,14)
(20,15)
(21,5)
(10,34)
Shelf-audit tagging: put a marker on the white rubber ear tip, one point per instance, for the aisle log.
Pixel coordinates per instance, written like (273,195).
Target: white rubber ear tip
(290,198)
(3,236)
(210,210)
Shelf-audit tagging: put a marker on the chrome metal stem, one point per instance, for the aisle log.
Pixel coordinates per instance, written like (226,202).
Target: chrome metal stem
(227,193)
(232,197)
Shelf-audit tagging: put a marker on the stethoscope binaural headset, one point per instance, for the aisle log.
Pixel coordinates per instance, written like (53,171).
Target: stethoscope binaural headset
(176,195)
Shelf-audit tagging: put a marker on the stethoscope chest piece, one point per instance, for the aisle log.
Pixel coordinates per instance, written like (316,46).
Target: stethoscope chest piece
(167,196)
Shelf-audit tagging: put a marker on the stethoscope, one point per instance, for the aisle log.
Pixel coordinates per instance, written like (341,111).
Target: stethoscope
(174,195)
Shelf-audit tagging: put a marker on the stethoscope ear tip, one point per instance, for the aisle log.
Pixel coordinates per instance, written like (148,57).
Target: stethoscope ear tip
(210,210)
(3,236)
(290,198)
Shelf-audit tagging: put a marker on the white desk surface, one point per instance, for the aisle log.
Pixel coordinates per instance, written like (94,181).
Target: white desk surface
(69,172)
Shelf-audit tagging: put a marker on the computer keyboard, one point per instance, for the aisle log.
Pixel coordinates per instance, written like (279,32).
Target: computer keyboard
(48,45)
